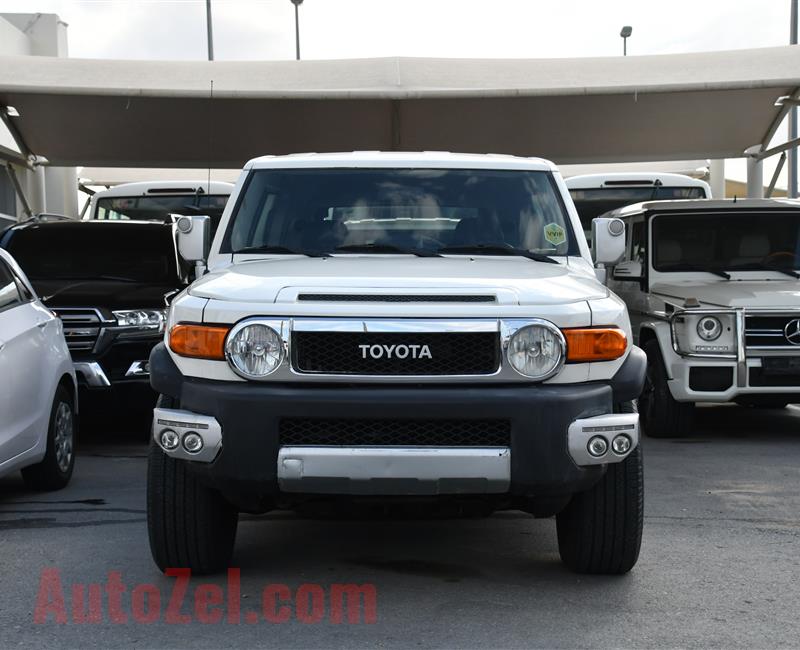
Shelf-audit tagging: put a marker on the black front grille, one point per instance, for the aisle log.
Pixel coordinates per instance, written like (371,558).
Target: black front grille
(762,377)
(371,433)
(81,327)
(392,354)
(352,297)
(768,330)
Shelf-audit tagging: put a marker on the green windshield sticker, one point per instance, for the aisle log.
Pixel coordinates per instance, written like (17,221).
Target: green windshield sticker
(555,234)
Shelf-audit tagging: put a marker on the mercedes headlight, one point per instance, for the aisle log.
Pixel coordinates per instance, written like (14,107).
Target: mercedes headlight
(536,351)
(140,322)
(704,334)
(254,350)
(709,328)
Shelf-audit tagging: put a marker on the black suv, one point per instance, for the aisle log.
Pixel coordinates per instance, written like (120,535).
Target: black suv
(110,283)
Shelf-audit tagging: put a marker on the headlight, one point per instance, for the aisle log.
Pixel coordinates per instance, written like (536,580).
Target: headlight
(536,351)
(254,350)
(140,322)
(704,334)
(709,328)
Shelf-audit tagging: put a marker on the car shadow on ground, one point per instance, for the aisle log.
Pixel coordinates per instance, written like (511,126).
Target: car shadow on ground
(720,422)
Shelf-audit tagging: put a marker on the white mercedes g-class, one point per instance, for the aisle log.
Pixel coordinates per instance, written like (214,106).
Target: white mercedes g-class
(714,298)
(395,326)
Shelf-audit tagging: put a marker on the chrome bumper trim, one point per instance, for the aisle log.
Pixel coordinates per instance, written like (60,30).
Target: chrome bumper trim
(138,369)
(608,426)
(183,422)
(394,470)
(92,374)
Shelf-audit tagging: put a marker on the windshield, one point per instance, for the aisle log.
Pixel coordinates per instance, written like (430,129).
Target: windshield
(83,252)
(158,208)
(377,210)
(594,202)
(727,241)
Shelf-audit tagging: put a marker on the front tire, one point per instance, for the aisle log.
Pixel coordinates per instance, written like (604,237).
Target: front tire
(55,469)
(189,524)
(662,415)
(600,530)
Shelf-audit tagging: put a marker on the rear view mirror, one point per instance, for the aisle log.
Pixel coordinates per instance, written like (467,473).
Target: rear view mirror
(608,240)
(194,237)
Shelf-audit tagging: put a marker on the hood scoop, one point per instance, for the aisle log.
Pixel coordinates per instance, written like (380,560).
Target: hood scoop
(395,297)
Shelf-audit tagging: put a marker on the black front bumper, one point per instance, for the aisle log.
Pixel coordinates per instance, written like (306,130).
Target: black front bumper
(539,415)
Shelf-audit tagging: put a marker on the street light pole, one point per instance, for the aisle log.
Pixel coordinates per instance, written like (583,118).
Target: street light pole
(625,32)
(297,4)
(209,34)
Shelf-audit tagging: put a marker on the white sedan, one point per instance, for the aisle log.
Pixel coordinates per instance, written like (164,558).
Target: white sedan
(38,398)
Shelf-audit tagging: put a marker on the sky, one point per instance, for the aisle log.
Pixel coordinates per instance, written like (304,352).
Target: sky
(335,29)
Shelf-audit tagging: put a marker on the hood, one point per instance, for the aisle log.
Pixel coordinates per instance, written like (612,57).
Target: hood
(512,280)
(734,293)
(102,293)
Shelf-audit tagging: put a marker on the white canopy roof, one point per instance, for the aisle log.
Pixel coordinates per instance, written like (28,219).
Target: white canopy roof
(161,114)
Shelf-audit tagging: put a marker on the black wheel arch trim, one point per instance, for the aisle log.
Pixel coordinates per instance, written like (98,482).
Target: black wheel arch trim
(628,382)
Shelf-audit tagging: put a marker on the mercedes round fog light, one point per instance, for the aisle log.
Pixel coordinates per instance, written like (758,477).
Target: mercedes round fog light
(192,442)
(597,446)
(169,439)
(709,328)
(621,444)
(254,350)
(536,351)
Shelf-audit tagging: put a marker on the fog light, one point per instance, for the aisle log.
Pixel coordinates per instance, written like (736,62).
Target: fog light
(597,446)
(169,439)
(621,444)
(192,442)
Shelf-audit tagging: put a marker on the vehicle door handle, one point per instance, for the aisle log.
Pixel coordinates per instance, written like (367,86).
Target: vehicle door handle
(42,325)
(2,345)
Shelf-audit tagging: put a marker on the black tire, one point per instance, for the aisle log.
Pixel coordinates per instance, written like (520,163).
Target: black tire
(662,416)
(55,469)
(600,530)
(189,524)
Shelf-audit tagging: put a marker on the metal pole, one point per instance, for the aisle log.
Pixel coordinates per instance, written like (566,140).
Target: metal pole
(209,31)
(791,187)
(755,173)
(624,46)
(297,29)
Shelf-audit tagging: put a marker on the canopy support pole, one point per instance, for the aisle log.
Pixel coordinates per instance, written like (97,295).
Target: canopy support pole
(12,174)
(755,172)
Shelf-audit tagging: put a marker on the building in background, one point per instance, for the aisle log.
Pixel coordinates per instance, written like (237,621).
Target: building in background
(48,189)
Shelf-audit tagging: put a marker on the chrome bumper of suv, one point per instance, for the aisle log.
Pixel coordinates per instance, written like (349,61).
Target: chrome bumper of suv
(394,470)
(92,373)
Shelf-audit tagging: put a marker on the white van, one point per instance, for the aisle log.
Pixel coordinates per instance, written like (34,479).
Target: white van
(157,200)
(596,194)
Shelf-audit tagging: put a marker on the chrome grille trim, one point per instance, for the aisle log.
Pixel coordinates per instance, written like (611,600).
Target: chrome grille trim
(82,326)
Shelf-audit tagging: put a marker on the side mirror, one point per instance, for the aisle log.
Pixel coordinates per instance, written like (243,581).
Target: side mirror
(194,237)
(608,240)
(628,271)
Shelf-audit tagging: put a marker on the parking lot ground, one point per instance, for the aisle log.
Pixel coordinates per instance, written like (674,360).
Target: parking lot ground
(720,562)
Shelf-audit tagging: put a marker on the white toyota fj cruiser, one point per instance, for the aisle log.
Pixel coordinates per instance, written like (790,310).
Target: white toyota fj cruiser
(394,326)
(714,298)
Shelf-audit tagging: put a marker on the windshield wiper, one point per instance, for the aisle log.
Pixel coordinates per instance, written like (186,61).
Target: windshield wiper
(384,248)
(496,249)
(695,267)
(276,250)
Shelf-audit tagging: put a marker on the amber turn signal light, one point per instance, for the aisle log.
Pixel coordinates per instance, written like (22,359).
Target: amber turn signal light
(198,341)
(595,343)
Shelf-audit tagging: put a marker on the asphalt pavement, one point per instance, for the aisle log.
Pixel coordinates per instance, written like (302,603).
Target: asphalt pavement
(720,563)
